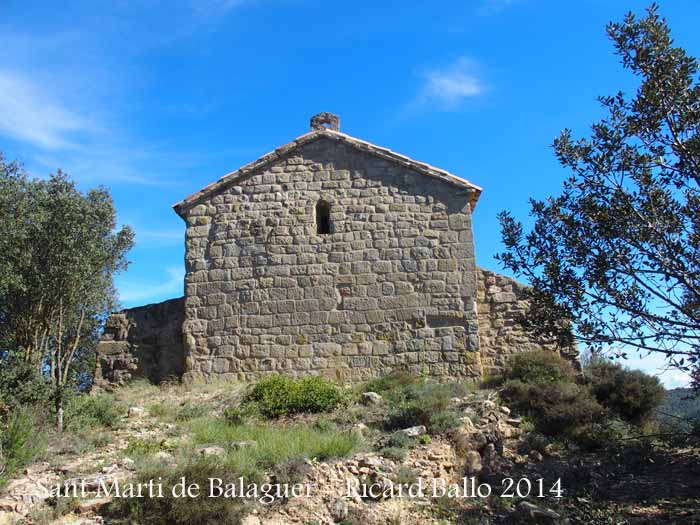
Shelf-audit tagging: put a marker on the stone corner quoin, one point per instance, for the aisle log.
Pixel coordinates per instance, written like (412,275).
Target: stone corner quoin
(329,256)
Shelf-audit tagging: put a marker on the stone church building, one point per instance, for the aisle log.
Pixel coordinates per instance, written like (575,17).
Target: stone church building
(331,256)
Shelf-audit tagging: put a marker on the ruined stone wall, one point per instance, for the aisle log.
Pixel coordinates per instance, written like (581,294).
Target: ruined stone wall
(393,284)
(502,305)
(142,342)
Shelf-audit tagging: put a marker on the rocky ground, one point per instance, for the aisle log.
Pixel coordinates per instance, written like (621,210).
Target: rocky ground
(655,487)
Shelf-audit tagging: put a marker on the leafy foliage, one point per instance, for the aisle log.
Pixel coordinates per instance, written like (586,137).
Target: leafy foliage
(631,394)
(85,411)
(182,510)
(618,251)
(424,403)
(59,252)
(22,384)
(557,409)
(538,367)
(21,440)
(279,395)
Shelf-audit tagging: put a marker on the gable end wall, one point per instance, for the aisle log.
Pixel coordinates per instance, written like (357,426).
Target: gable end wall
(394,284)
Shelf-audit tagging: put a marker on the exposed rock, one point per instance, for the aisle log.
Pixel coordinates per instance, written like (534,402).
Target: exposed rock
(142,342)
(472,463)
(136,412)
(164,456)
(474,440)
(414,431)
(360,430)
(370,462)
(250,520)
(338,509)
(371,398)
(525,509)
(534,455)
(211,451)
(238,445)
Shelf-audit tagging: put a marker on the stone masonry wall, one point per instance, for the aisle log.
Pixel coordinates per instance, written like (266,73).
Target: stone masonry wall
(502,305)
(147,342)
(142,342)
(393,284)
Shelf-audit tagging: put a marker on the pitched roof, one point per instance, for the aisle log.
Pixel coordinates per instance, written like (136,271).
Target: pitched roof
(315,134)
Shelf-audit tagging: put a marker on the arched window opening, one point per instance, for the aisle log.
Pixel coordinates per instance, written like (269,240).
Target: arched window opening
(323,218)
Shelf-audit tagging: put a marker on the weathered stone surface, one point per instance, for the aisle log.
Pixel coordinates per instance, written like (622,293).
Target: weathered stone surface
(414,431)
(393,284)
(371,398)
(142,342)
(502,308)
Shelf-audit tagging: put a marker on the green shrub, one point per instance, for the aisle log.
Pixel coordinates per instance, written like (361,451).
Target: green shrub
(556,408)
(87,411)
(21,441)
(538,367)
(22,384)
(394,381)
(235,415)
(189,411)
(183,510)
(425,403)
(279,395)
(138,448)
(605,435)
(533,441)
(631,394)
(401,440)
(395,453)
(291,471)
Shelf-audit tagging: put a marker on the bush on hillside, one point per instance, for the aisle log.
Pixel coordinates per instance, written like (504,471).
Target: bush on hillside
(184,510)
(280,395)
(631,394)
(86,411)
(21,441)
(426,403)
(557,409)
(22,384)
(395,381)
(538,367)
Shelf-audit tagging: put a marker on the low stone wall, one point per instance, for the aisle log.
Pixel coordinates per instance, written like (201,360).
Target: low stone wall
(142,342)
(502,305)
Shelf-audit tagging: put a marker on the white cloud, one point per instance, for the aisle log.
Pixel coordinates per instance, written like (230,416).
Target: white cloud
(448,87)
(31,115)
(139,292)
(160,236)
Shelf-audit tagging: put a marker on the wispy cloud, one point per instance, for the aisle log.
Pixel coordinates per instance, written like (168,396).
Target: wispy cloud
(175,236)
(139,292)
(446,88)
(32,115)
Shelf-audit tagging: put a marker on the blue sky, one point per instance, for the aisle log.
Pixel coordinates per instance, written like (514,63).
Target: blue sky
(155,99)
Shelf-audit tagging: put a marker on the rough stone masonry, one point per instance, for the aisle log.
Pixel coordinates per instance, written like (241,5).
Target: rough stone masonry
(329,256)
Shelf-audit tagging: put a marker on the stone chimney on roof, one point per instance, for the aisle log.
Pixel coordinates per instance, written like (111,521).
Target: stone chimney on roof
(325,120)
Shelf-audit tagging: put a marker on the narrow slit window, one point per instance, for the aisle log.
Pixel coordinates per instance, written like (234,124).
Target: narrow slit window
(323,218)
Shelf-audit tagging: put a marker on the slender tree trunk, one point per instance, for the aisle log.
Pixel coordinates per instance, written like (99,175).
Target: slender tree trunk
(59,410)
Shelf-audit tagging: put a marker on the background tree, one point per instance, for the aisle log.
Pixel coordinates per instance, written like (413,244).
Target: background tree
(58,253)
(618,251)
